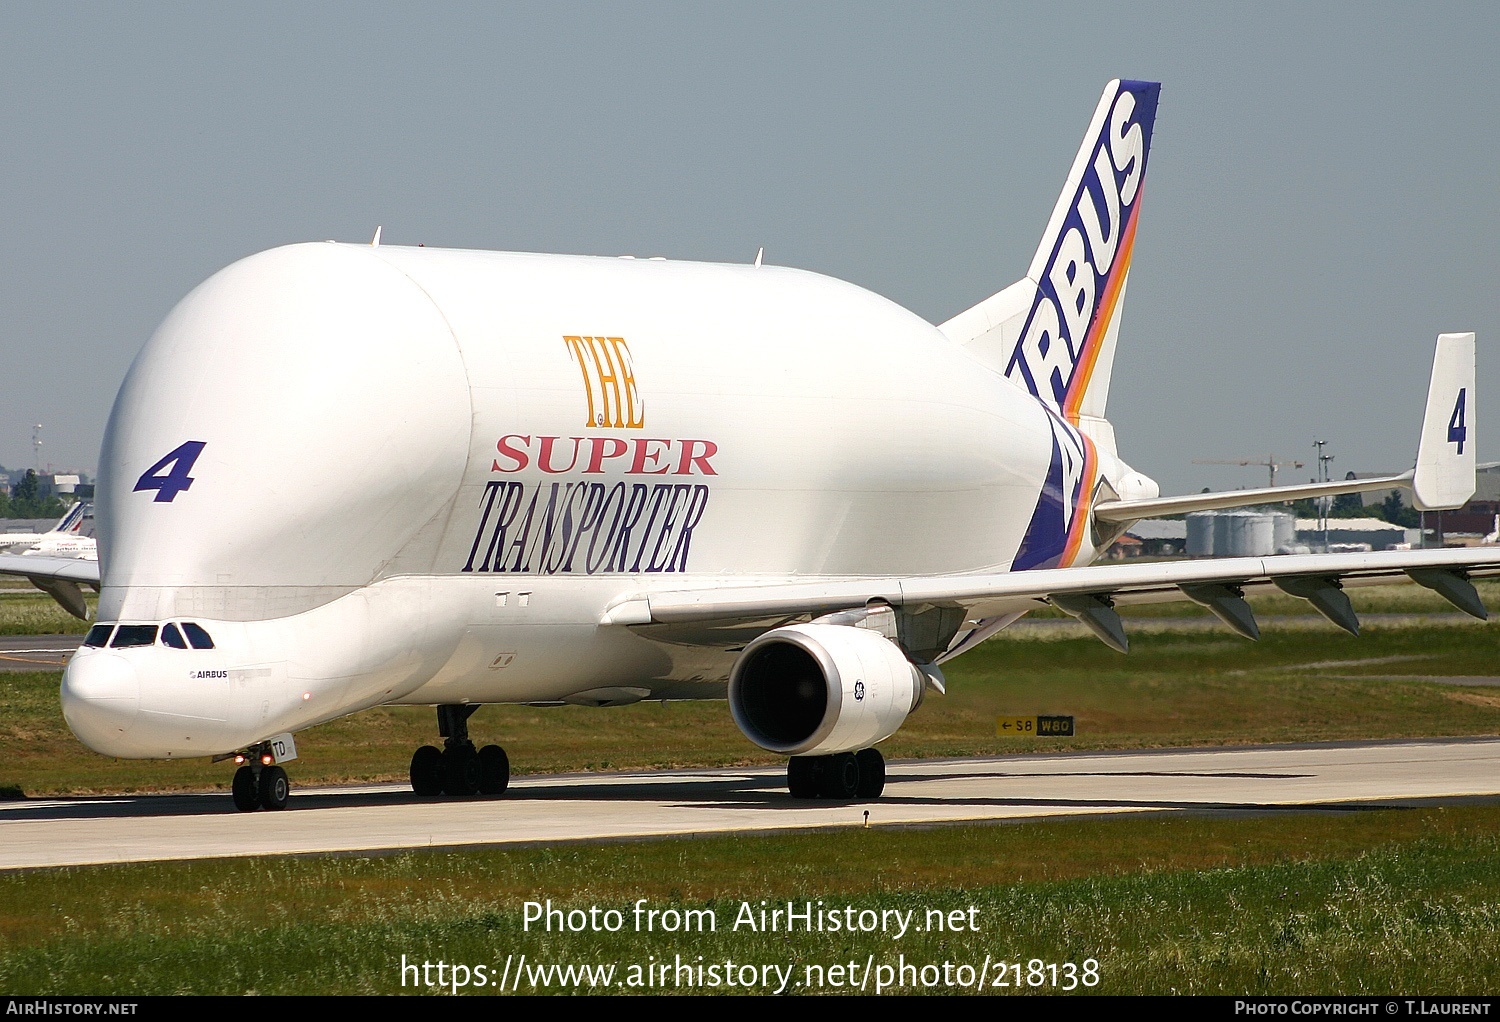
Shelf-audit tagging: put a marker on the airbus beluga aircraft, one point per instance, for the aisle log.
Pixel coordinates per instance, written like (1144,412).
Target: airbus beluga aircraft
(341,476)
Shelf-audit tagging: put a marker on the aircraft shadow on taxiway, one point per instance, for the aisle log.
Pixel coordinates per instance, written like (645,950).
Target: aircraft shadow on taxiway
(741,792)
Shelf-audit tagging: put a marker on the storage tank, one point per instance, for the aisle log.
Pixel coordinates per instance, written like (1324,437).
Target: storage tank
(1243,534)
(1239,533)
(1286,531)
(1200,533)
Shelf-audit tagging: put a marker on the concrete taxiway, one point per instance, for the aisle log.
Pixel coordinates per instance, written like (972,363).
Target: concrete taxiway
(37,652)
(595,807)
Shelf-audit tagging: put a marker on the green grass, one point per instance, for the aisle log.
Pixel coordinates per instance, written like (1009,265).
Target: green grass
(31,612)
(1172,689)
(1389,902)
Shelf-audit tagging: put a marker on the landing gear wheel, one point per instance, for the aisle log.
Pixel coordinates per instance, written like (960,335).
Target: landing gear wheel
(840,776)
(871,773)
(802,776)
(274,788)
(494,770)
(427,771)
(460,770)
(246,794)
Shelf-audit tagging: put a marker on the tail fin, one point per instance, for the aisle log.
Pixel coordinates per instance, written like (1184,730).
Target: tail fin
(72,521)
(1053,332)
(1444,477)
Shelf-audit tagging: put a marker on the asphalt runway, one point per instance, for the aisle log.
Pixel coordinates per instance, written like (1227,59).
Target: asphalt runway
(1346,776)
(37,652)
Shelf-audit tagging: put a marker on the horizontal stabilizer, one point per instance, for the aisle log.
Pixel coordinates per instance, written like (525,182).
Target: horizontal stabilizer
(1134,510)
(1443,478)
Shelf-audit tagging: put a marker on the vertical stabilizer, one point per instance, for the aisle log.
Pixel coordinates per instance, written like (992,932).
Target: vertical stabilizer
(1054,332)
(72,521)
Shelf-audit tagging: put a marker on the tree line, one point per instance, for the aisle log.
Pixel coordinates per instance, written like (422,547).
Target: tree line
(24,502)
(1350,505)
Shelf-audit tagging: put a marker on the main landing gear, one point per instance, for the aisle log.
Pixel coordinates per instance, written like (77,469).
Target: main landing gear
(458,768)
(259,784)
(844,775)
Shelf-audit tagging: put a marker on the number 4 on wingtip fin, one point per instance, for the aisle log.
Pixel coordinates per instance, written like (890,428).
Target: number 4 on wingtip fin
(1445,458)
(1457,431)
(169,484)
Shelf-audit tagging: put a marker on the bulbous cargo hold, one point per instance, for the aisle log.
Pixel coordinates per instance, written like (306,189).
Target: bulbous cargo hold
(293,424)
(318,417)
(379,474)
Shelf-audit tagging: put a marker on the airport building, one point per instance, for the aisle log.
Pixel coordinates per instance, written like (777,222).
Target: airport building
(1347,535)
(58,485)
(1154,537)
(67,485)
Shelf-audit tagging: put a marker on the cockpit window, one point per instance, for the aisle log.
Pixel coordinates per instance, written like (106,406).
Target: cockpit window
(134,635)
(172,637)
(98,635)
(197,636)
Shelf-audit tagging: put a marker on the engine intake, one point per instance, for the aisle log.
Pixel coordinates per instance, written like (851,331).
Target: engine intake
(821,689)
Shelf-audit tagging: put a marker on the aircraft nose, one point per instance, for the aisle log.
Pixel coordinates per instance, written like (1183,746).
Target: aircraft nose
(101,695)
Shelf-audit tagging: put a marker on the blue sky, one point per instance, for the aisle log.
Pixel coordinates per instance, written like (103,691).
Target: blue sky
(1322,197)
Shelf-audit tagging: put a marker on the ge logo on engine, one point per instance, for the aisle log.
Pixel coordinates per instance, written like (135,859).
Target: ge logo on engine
(859,691)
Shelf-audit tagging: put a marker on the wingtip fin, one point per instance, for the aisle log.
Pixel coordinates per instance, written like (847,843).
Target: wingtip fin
(1445,473)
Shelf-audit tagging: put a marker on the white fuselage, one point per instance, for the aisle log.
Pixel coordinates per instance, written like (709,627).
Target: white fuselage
(424,476)
(50,544)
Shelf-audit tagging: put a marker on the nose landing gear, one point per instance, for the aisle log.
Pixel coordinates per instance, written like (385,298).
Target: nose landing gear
(459,768)
(259,784)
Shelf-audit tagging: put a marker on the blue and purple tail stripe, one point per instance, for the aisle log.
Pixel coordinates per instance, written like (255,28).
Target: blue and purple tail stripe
(1079,272)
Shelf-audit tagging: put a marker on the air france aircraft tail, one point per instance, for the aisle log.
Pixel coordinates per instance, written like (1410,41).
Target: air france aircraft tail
(70,525)
(1053,332)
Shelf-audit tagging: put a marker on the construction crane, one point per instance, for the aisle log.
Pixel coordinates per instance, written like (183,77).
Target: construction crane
(1270,463)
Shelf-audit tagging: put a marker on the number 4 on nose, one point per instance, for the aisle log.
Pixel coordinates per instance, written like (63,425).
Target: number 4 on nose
(169,484)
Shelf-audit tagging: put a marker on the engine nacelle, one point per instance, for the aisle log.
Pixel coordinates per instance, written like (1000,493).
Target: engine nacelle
(818,689)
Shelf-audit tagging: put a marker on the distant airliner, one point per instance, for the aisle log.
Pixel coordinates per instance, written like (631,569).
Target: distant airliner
(49,559)
(340,476)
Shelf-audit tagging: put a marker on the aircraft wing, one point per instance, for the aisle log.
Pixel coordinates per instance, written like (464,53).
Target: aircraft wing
(940,616)
(1087,593)
(58,577)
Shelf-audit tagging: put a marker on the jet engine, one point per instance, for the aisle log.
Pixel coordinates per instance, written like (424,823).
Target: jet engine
(817,689)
